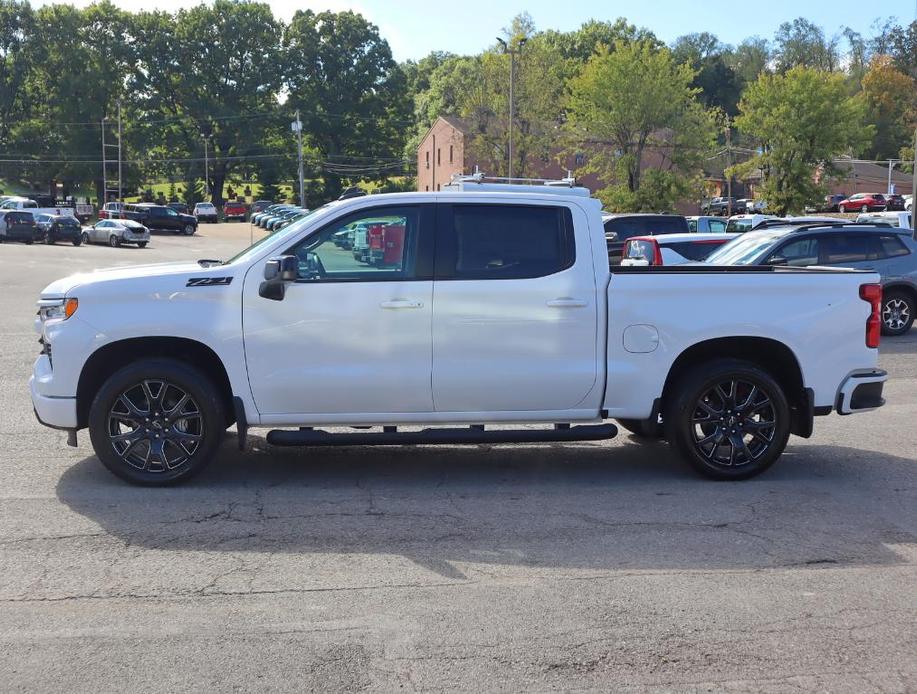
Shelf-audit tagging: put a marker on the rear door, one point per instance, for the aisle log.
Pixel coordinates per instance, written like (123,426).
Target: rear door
(514,309)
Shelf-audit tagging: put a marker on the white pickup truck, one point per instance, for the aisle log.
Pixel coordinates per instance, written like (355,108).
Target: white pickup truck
(486,314)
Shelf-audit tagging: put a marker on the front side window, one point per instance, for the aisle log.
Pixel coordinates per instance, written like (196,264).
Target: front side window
(510,242)
(799,252)
(717,225)
(370,245)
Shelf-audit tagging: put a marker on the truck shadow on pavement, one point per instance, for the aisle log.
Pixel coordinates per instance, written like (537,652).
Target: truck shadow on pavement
(587,506)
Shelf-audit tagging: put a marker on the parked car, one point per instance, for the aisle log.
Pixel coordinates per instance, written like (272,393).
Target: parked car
(284,218)
(206,212)
(161,217)
(525,330)
(902,220)
(862,202)
(180,207)
(894,203)
(271,214)
(671,249)
(258,216)
(260,205)
(620,227)
(740,223)
(756,206)
(60,228)
(797,221)
(889,251)
(111,210)
(290,220)
(20,225)
(828,204)
(117,232)
(37,207)
(233,209)
(719,206)
(706,224)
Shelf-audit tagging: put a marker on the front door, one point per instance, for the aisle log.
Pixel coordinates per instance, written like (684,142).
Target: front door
(515,310)
(350,336)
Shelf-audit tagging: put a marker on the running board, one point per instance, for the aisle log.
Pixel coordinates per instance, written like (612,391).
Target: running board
(474,434)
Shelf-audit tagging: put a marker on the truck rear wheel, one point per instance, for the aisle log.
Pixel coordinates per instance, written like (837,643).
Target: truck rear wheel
(156,422)
(729,419)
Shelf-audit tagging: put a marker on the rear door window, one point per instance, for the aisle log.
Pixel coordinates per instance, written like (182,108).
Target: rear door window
(505,242)
(837,249)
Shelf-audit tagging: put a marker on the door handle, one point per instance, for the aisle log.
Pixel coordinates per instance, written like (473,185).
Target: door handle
(566,302)
(401,303)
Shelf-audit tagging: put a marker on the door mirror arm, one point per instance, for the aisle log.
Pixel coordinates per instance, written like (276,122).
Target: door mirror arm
(278,271)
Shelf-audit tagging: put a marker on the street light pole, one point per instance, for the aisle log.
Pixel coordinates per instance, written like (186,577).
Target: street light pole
(512,100)
(206,168)
(296,127)
(120,157)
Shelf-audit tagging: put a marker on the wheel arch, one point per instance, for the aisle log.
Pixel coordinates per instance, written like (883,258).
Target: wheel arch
(771,355)
(115,355)
(908,289)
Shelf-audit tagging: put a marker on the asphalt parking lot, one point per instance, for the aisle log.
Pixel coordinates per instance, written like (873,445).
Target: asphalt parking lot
(591,566)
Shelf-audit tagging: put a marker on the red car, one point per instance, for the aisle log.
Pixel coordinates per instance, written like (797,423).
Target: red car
(671,249)
(235,210)
(863,202)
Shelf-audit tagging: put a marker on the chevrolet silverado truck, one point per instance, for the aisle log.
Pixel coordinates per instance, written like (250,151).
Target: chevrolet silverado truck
(501,321)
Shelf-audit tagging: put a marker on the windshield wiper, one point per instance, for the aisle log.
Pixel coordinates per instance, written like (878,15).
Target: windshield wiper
(209,262)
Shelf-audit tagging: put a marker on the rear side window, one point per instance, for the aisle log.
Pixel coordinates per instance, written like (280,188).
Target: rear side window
(892,246)
(837,249)
(510,241)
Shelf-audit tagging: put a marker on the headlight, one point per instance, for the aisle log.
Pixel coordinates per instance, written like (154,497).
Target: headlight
(62,309)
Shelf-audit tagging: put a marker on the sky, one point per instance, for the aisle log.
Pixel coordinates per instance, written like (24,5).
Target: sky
(413,28)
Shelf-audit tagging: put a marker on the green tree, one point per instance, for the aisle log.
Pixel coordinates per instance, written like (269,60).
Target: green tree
(803,120)
(350,92)
(801,42)
(210,72)
(749,59)
(891,97)
(633,103)
(720,86)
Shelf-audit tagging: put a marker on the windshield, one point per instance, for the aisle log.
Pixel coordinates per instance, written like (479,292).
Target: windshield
(287,231)
(746,249)
(739,225)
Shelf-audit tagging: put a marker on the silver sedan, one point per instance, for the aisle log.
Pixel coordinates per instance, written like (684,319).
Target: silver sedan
(115,232)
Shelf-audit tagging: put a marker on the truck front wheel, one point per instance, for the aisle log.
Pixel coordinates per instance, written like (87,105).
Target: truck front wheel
(728,418)
(156,422)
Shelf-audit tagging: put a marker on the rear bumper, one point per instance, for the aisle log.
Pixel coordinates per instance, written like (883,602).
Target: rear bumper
(861,392)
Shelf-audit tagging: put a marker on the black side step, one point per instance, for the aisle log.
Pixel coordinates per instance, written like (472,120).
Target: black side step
(585,432)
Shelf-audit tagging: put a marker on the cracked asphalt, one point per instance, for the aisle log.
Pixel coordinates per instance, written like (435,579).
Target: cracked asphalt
(596,566)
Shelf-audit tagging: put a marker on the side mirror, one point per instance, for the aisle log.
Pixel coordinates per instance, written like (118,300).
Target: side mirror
(277,272)
(776,260)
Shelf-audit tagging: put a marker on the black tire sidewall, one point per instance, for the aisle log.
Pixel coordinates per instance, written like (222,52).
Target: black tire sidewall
(902,296)
(685,393)
(193,382)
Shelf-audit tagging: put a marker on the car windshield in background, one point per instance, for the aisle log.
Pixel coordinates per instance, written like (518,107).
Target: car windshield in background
(738,225)
(746,249)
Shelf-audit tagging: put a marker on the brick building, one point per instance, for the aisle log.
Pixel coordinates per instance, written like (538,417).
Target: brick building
(442,153)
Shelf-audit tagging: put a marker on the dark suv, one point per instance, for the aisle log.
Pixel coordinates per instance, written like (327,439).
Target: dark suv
(890,251)
(20,226)
(620,227)
(161,217)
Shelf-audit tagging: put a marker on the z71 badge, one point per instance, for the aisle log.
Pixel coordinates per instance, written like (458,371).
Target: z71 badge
(208,281)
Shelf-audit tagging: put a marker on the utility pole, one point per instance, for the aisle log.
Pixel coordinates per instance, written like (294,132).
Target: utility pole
(296,127)
(512,100)
(914,183)
(891,164)
(206,167)
(120,158)
(728,166)
(104,197)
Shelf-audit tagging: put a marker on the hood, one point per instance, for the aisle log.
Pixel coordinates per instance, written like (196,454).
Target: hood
(64,286)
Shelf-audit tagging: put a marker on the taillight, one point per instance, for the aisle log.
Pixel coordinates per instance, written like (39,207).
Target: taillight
(873,294)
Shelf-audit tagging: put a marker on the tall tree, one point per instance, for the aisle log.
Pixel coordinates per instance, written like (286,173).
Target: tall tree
(351,94)
(803,120)
(891,96)
(720,86)
(749,59)
(214,73)
(633,103)
(801,42)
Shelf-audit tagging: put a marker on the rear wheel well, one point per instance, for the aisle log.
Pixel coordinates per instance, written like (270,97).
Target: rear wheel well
(771,355)
(111,357)
(904,288)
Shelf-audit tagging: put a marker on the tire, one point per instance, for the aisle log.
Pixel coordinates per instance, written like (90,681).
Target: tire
(729,393)
(864,209)
(49,240)
(84,238)
(165,447)
(141,244)
(77,241)
(114,241)
(642,428)
(189,229)
(897,312)
(842,209)
(29,242)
